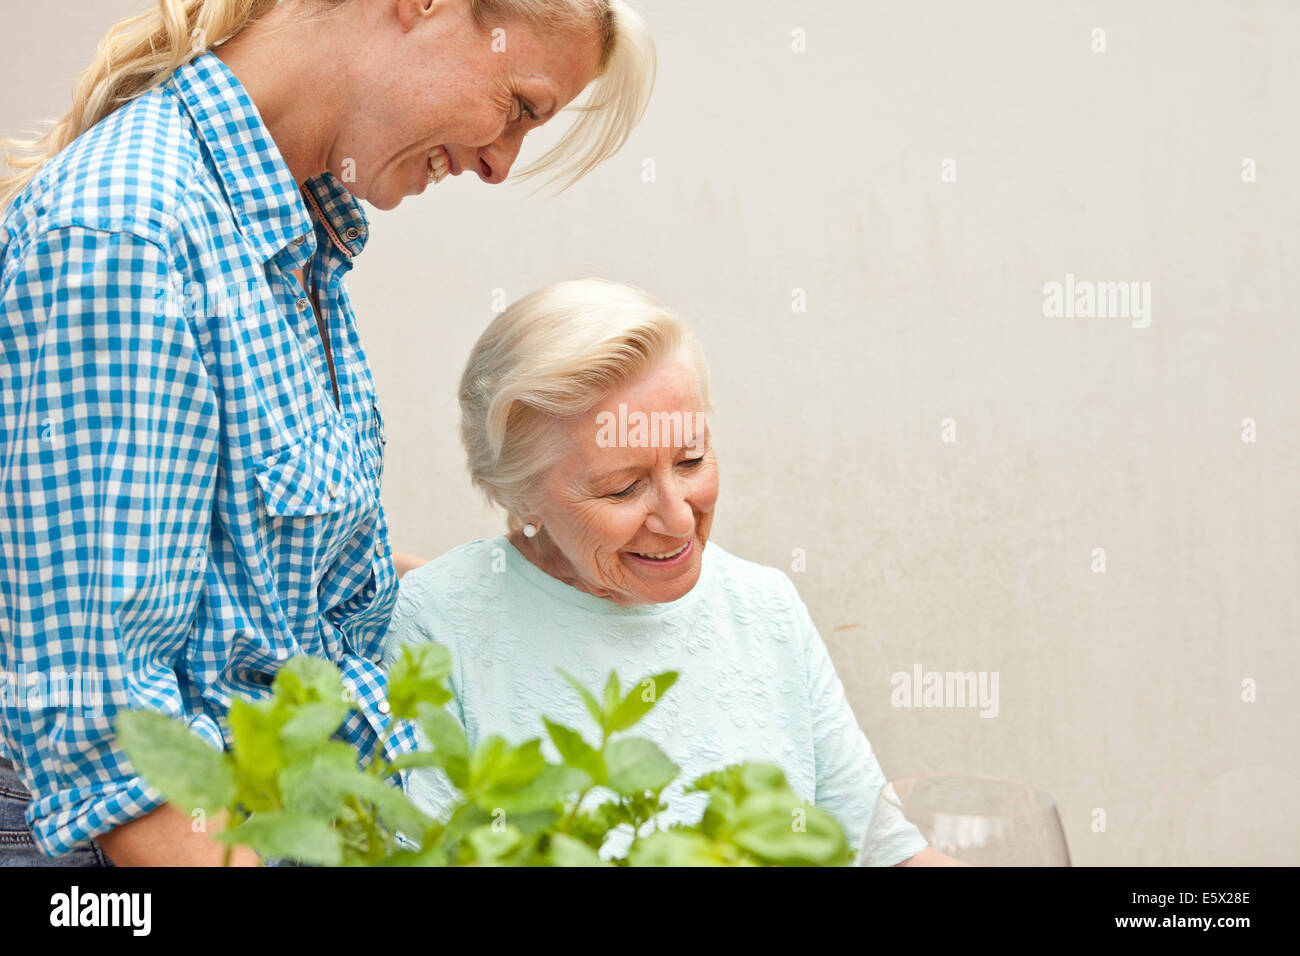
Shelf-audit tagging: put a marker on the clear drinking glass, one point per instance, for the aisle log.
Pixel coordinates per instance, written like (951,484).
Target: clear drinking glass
(982,821)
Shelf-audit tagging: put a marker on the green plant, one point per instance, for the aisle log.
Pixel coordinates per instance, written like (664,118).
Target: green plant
(293,792)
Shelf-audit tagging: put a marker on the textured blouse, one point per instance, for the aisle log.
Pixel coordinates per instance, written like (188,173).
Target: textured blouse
(756,682)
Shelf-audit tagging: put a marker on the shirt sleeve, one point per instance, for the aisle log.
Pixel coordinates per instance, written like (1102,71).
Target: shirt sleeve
(414,621)
(109,433)
(849,779)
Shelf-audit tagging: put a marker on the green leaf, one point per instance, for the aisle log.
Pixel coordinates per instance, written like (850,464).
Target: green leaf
(714,780)
(490,843)
(395,808)
(398,811)
(255,732)
(741,779)
(576,751)
(613,696)
(552,786)
(417,677)
(762,778)
(518,766)
(640,699)
(461,821)
(448,739)
(565,850)
(719,816)
(642,808)
(636,765)
(280,834)
(312,724)
(788,832)
(533,824)
(305,679)
(593,824)
(176,761)
(414,760)
(310,784)
(433,856)
(675,848)
(257,751)
(588,698)
(322,782)
(489,752)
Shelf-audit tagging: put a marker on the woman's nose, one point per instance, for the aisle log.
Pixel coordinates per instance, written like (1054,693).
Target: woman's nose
(672,515)
(494,161)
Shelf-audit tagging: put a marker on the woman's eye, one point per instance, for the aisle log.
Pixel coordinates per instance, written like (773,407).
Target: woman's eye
(626,492)
(525,110)
(691,462)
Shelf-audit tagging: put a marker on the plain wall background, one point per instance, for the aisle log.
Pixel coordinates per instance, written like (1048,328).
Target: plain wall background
(777,170)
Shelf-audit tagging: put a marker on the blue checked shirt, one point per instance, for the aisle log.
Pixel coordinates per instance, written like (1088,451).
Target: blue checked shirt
(183,506)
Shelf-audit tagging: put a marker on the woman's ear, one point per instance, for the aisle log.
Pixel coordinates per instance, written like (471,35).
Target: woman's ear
(411,12)
(526,516)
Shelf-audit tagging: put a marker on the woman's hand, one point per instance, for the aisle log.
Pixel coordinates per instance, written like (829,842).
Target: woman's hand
(166,837)
(404,562)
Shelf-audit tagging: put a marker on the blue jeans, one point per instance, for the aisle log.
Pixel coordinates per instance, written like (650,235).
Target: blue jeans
(17,848)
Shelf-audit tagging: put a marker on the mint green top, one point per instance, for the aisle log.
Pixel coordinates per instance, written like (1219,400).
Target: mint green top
(756,682)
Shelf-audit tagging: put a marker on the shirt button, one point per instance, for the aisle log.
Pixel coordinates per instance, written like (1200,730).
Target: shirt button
(333,489)
(384,707)
(379,549)
(299,240)
(303,305)
(353,233)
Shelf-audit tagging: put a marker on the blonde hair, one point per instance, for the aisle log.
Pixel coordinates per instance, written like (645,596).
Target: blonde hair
(552,355)
(138,54)
(617,97)
(143,51)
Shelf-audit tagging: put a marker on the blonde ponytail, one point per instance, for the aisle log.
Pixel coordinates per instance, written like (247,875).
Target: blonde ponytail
(137,55)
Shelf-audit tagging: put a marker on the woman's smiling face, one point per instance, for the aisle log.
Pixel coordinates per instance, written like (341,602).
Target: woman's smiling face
(629,523)
(458,96)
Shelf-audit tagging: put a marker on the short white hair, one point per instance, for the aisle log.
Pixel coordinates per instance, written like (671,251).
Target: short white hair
(551,355)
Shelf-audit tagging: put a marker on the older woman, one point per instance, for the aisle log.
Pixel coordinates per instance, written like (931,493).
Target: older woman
(585,417)
(191,440)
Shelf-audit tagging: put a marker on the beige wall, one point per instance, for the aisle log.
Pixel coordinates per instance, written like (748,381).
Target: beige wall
(777,170)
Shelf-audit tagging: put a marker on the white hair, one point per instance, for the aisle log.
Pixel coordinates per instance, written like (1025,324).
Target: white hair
(552,355)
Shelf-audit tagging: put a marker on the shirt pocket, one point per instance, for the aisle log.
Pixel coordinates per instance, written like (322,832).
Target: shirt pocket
(323,509)
(317,476)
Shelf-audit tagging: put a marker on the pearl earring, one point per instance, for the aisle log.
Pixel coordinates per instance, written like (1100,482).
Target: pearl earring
(530,530)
